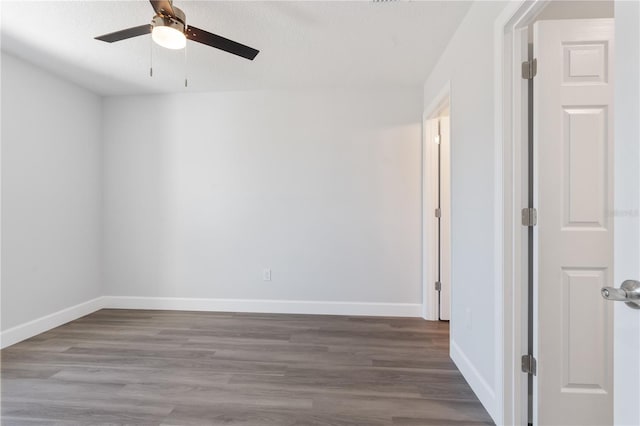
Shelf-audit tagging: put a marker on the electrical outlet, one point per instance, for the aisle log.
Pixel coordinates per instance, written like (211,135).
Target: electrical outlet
(266,274)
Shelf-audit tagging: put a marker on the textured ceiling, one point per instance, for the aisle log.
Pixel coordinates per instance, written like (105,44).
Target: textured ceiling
(314,44)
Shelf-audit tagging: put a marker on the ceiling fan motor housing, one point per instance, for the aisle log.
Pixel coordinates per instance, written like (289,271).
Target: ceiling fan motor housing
(177,22)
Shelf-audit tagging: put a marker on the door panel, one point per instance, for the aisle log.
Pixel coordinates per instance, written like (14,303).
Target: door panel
(430,222)
(573,144)
(445,221)
(586,355)
(585,169)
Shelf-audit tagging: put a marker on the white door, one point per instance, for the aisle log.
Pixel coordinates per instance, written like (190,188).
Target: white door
(573,156)
(445,219)
(626,211)
(437,238)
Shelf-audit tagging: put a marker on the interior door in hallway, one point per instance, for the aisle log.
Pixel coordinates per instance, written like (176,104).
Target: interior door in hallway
(445,218)
(573,249)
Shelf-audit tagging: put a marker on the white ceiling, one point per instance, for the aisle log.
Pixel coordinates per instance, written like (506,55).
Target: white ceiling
(313,44)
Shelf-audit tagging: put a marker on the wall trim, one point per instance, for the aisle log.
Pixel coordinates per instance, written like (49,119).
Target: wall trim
(510,315)
(40,325)
(478,384)
(265,306)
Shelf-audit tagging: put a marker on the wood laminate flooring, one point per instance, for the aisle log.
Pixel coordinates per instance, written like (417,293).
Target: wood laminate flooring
(202,368)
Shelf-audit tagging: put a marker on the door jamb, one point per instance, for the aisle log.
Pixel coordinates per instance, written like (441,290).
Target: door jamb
(429,294)
(510,254)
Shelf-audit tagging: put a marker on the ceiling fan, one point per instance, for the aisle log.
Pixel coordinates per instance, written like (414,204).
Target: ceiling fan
(169,29)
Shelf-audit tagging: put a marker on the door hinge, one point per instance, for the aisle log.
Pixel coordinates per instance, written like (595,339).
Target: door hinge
(529,69)
(529,217)
(529,364)
(438,286)
(438,213)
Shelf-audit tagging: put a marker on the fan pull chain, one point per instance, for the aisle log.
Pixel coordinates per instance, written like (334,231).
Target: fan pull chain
(150,57)
(186,81)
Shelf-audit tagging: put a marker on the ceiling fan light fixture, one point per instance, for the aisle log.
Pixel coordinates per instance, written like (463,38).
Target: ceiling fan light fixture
(169,29)
(168,33)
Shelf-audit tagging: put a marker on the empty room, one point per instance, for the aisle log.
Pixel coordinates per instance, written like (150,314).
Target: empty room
(279,213)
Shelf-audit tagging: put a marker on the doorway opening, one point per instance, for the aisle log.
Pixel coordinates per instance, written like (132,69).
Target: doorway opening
(437,209)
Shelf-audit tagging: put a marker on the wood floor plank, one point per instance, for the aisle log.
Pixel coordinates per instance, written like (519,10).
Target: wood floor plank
(208,368)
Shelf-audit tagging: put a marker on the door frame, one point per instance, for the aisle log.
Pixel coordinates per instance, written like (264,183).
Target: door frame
(511,253)
(429,245)
(511,396)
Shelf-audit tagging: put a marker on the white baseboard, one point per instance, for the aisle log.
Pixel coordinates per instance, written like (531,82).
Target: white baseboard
(40,325)
(265,306)
(481,388)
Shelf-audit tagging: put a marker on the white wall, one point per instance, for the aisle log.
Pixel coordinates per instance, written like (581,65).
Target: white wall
(468,63)
(203,191)
(51,194)
(627,207)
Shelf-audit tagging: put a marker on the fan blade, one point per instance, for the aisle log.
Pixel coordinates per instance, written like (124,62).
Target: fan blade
(125,34)
(213,40)
(163,7)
